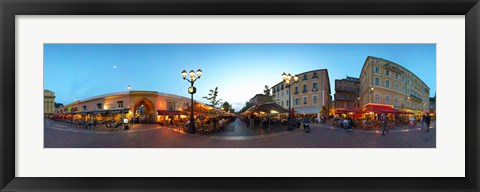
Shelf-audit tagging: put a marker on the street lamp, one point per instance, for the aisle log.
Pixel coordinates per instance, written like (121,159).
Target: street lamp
(129,87)
(287,79)
(192,90)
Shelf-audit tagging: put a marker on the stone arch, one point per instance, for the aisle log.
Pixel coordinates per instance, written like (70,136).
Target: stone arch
(144,111)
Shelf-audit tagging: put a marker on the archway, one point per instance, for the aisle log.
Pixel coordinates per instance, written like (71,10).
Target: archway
(143,111)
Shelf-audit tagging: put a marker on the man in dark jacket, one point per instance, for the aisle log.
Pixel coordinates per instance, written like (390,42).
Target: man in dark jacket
(384,123)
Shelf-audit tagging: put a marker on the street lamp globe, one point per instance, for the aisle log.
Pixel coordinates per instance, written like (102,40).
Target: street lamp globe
(284,76)
(295,78)
(184,74)
(199,73)
(129,87)
(192,74)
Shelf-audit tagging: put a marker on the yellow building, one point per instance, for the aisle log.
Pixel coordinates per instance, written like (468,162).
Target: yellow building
(386,82)
(137,106)
(309,94)
(48,102)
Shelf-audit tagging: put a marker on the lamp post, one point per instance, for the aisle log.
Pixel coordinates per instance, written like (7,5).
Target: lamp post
(130,97)
(192,90)
(289,80)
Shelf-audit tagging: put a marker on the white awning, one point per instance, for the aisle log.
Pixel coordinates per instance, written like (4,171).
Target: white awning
(307,110)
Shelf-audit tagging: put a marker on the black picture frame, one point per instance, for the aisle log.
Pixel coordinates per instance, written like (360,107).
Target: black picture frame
(10,8)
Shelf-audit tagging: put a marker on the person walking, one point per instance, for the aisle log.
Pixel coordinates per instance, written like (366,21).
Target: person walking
(422,120)
(427,121)
(384,124)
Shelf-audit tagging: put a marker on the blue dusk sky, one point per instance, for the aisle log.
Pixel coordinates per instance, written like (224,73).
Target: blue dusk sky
(238,70)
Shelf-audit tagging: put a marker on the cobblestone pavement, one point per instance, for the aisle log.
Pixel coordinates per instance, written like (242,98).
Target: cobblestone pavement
(58,135)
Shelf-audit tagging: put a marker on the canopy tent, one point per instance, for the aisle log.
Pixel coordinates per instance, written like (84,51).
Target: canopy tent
(199,108)
(270,107)
(205,110)
(167,112)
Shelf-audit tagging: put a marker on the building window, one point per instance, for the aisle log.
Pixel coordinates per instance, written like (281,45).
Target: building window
(281,87)
(314,99)
(304,100)
(278,88)
(99,106)
(377,81)
(377,98)
(119,104)
(84,107)
(387,83)
(297,101)
(315,75)
(396,101)
(387,99)
(282,93)
(171,106)
(396,76)
(396,86)
(387,73)
(305,77)
(304,88)
(288,103)
(377,70)
(403,89)
(314,87)
(296,90)
(282,103)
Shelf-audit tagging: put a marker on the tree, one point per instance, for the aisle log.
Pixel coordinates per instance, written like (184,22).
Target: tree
(212,97)
(247,106)
(226,106)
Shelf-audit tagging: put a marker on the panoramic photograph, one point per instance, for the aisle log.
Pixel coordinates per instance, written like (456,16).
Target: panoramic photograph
(239,95)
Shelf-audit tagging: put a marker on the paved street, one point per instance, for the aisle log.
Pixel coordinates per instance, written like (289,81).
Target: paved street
(59,135)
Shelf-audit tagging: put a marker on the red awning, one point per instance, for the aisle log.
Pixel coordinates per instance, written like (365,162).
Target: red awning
(348,110)
(377,108)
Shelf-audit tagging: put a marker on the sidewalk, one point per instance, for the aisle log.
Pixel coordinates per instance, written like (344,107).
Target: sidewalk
(396,129)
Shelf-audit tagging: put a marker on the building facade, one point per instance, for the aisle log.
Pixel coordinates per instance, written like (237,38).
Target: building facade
(386,82)
(48,102)
(139,106)
(347,92)
(309,94)
(260,99)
